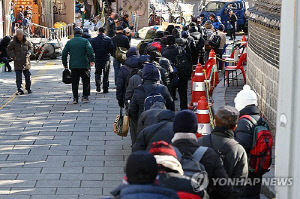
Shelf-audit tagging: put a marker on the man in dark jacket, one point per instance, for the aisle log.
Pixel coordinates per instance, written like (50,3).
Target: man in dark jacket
(20,50)
(185,127)
(162,130)
(103,47)
(246,103)
(141,172)
(231,152)
(132,63)
(82,57)
(171,52)
(199,44)
(149,117)
(3,52)
(119,40)
(150,78)
(110,25)
(87,35)
(171,174)
(231,24)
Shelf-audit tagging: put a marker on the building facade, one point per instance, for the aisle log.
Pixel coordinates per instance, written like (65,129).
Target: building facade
(263,55)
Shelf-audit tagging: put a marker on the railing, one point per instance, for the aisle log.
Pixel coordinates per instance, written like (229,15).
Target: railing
(45,32)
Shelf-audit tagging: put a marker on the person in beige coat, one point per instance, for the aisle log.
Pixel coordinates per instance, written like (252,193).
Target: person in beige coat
(20,50)
(219,51)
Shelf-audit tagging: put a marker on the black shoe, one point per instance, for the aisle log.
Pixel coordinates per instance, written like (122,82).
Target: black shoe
(230,39)
(105,90)
(75,101)
(20,92)
(85,99)
(29,91)
(98,89)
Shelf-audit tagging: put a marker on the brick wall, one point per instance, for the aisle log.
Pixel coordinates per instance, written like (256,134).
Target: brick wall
(263,68)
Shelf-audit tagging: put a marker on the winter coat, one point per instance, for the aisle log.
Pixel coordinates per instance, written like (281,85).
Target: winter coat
(120,40)
(87,36)
(232,20)
(181,184)
(149,117)
(164,75)
(145,191)
(80,51)
(210,161)
(21,51)
(110,27)
(197,37)
(235,160)
(245,128)
(103,47)
(162,130)
(171,52)
(3,47)
(216,23)
(134,82)
(139,95)
(244,135)
(223,38)
(180,41)
(131,62)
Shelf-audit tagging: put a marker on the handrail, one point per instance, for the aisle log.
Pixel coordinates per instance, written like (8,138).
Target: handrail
(61,32)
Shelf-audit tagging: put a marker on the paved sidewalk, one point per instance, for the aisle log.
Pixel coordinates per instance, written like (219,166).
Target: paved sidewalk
(50,148)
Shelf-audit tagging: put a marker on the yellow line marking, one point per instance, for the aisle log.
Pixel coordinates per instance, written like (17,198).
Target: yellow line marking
(33,80)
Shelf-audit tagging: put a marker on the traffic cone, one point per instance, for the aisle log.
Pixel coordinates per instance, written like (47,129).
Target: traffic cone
(215,76)
(244,41)
(204,126)
(198,86)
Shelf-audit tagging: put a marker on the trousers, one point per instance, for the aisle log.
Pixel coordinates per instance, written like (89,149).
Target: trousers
(84,74)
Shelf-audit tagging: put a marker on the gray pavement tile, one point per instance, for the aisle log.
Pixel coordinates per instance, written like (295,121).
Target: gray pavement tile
(32,191)
(13,197)
(102,184)
(71,196)
(87,142)
(79,191)
(84,164)
(7,163)
(27,157)
(38,176)
(86,152)
(66,158)
(58,183)
(62,170)
(81,176)
(103,170)
(113,176)
(99,158)
(17,183)
(8,177)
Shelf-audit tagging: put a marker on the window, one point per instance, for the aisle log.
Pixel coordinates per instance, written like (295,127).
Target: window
(234,6)
(214,6)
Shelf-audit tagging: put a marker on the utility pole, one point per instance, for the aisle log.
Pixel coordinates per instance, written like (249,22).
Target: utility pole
(287,146)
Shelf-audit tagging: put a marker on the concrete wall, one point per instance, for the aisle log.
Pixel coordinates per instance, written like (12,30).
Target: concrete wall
(263,56)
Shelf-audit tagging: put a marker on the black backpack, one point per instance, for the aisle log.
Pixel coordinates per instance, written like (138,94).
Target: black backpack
(143,48)
(66,76)
(131,72)
(152,97)
(182,65)
(215,41)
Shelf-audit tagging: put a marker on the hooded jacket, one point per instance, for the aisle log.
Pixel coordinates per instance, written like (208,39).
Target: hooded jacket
(80,51)
(146,191)
(162,130)
(103,47)
(149,117)
(235,160)
(139,96)
(21,51)
(131,62)
(179,40)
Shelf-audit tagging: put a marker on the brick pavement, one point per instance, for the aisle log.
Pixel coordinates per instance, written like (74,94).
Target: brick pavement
(50,148)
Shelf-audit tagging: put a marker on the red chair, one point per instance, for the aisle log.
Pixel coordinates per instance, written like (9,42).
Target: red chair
(233,69)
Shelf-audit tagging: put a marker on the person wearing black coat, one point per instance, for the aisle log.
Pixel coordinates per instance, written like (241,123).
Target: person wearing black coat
(149,117)
(111,25)
(132,61)
(150,78)
(246,103)
(171,52)
(185,127)
(232,20)
(3,52)
(103,48)
(119,40)
(162,130)
(199,42)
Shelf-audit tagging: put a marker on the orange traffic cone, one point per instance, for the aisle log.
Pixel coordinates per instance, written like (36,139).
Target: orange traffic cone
(215,77)
(204,126)
(198,86)
(244,41)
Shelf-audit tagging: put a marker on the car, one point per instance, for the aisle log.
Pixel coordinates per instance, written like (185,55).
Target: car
(221,8)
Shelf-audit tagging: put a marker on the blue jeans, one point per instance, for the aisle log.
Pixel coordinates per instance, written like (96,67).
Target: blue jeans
(117,66)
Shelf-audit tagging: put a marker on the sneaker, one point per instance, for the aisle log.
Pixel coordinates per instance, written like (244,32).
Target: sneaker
(85,99)
(75,101)
(20,92)
(29,91)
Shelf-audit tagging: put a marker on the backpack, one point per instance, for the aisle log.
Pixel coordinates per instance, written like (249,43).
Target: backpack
(192,167)
(153,97)
(215,41)
(207,33)
(120,54)
(260,157)
(131,72)
(66,76)
(143,48)
(182,64)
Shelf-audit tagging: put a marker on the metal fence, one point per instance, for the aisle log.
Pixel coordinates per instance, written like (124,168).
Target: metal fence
(45,32)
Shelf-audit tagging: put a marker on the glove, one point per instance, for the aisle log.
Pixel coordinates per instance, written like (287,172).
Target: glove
(121,104)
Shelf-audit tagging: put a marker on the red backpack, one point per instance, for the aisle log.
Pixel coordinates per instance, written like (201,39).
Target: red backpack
(260,157)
